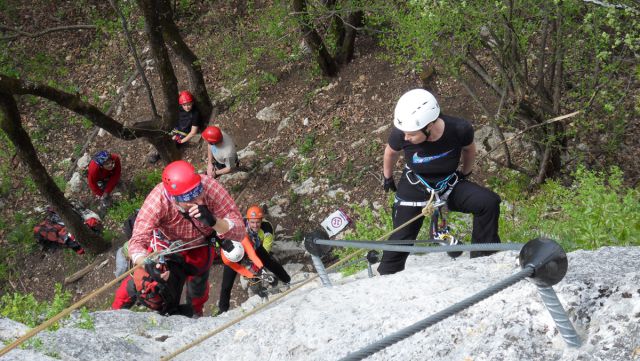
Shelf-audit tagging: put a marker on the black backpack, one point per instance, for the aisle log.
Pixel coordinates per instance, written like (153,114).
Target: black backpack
(127,226)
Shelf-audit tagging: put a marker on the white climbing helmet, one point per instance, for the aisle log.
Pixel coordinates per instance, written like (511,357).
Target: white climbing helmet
(236,254)
(415,109)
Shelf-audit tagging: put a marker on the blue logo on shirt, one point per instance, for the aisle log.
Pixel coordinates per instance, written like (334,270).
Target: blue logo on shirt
(422,160)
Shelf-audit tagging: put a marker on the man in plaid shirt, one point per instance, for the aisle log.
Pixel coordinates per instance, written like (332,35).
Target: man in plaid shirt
(187,206)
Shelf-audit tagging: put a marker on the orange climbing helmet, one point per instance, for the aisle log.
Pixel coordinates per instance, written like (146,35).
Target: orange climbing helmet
(255,212)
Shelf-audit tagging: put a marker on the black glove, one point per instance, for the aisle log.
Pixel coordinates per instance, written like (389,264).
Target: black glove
(227,245)
(153,270)
(461,176)
(390,184)
(373,256)
(206,217)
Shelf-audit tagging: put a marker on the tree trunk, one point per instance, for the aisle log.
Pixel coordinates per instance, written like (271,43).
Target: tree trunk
(73,102)
(11,124)
(347,45)
(188,59)
(326,62)
(168,81)
(166,149)
(136,58)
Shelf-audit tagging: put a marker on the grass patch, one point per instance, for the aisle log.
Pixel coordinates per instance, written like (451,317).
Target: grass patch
(307,144)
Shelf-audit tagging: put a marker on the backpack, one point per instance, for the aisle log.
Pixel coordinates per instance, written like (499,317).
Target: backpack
(52,232)
(155,293)
(151,290)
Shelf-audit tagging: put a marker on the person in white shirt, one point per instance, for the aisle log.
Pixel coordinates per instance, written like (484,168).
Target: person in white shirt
(222,157)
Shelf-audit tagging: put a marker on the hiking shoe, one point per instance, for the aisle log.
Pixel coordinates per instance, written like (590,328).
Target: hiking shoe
(455,242)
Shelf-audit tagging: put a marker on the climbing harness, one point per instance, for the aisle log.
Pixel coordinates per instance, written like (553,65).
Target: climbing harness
(442,188)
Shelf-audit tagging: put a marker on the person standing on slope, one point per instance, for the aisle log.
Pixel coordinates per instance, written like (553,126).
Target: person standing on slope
(434,145)
(259,236)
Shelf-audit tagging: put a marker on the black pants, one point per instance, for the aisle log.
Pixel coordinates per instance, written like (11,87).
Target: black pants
(229,277)
(466,197)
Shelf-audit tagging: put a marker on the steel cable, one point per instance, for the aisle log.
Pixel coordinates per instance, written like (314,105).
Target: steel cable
(437,317)
(419,249)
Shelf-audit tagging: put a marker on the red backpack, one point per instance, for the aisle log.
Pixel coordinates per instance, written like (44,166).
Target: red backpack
(52,232)
(150,291)
(154,292)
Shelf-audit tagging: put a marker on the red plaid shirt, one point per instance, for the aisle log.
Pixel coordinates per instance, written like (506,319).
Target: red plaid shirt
(159,211)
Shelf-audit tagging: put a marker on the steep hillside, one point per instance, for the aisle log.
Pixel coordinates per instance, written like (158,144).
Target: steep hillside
(309,145)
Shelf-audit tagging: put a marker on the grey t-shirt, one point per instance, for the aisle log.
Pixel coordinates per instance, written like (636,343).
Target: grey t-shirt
(225,151)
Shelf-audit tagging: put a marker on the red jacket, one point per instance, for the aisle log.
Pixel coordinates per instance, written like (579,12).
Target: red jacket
(97,173)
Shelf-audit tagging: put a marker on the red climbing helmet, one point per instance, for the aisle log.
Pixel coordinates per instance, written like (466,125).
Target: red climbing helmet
(212,134)
(180,179)
(185,97)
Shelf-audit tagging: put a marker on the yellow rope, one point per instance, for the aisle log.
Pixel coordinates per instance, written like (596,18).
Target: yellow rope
(67,311)
(425,211)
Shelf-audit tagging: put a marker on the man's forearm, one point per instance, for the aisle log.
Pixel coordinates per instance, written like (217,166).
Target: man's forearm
(389,161)
(468,158)
(222,171)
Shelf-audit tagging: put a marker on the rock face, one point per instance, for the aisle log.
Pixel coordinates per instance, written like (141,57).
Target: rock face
(601,293)
(74,186)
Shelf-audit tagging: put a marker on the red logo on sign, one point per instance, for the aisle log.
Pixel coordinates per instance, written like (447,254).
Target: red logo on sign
(336,222)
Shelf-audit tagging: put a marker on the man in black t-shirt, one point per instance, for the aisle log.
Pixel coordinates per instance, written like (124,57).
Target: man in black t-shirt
(188,119)
(434,145)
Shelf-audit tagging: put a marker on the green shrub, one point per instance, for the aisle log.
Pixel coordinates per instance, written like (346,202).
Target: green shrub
(144,182)
(27,310)
(19,241)
(371,225)
(368,224)
(22,233)
(85,321)
(596,210)
(307,144)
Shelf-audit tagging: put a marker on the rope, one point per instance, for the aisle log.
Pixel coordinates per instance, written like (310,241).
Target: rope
(428,208)
(67,311)
(437,317)
(351,263)
(425,212)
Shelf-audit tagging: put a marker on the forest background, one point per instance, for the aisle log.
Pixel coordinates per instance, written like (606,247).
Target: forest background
(308,87)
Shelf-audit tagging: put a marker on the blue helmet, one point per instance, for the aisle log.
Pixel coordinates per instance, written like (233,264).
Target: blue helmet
(101,157)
